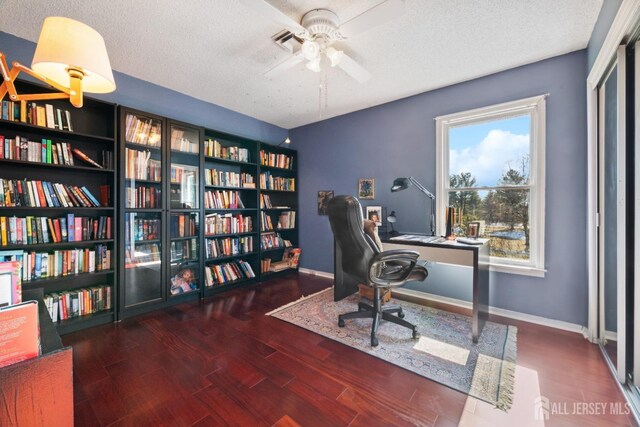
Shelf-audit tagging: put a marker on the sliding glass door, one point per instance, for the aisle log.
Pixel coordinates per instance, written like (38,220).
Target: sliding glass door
(612,238)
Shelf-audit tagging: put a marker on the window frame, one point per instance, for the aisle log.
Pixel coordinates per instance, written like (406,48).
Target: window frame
(535,107)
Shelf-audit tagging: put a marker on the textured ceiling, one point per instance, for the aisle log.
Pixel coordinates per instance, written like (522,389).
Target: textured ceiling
(218,50)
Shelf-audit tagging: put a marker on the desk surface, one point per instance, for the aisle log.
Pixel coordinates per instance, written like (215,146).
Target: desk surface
(431,241)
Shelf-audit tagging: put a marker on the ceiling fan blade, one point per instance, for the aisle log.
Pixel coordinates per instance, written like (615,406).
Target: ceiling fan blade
(354,69)
(275,15)
(377,15)
(287,64)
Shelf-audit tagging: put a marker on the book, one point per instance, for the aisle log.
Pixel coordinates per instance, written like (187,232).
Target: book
(79,154)
(292,256)
(10,283)
(20,338)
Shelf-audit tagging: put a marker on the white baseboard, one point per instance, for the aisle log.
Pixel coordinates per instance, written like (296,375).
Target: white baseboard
(316,273)
(538,320)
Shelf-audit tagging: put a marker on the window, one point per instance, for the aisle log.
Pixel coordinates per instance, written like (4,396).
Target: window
(490,168)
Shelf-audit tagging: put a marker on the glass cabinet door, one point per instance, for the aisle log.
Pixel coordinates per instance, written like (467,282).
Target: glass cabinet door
(184,205)
(143,209)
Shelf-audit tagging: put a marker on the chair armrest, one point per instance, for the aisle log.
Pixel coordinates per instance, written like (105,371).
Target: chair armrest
(396,255)
(405,260)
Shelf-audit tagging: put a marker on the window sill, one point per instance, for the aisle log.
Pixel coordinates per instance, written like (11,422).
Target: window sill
(516,269)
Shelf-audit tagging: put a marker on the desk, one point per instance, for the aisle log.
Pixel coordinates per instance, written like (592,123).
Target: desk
(439,250)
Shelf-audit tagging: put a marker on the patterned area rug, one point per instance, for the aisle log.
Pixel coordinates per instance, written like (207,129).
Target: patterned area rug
(444,353)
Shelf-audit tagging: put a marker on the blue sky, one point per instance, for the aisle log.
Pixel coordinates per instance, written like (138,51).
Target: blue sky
(487,149)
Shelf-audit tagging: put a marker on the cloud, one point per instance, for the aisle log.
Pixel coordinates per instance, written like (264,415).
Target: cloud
(489,159)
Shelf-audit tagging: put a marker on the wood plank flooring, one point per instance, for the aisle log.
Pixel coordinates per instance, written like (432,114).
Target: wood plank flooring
(222,362)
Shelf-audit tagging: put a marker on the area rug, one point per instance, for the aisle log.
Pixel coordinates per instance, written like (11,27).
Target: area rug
(444,352)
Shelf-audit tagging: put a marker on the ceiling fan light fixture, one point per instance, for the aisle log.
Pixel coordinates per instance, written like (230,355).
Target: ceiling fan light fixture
(310,50)
(314,64)
(334,55)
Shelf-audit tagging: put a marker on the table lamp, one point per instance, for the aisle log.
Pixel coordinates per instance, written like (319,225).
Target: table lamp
(391,219)
(70,56)
(400,184)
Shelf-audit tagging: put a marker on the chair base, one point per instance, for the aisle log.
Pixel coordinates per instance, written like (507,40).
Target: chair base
(378,312)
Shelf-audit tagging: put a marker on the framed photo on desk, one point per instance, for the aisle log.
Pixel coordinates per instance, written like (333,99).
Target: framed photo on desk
(374,213)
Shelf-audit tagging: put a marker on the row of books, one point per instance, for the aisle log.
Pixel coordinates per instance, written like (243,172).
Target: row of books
(270,182)
(220,274)
(228,246)
(184,250)
(271,241)
(228,179)
(39,115)
(143,131)
(140,254)
(276,160)
(265,222)
(140,165)
(212,148)
(265,265)
(32,230)
(227,224)
(183,225)
(15,192)
(141,229)
(287,220)
(180,143)
(45,151)
(142,197)
(220,199)
(78,302)
(42,265)
(184,174)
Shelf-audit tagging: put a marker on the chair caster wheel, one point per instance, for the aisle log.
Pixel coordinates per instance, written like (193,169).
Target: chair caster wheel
(374,342)
(341,322)
(416,334)
(401,314)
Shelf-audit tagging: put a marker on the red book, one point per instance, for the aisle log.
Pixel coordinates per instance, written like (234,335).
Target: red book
(108,227)
(41,197)
(21,333)
(56,226)
(78,229)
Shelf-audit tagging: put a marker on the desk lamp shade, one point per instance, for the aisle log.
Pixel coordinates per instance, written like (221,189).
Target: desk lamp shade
(400,184)
(73,55)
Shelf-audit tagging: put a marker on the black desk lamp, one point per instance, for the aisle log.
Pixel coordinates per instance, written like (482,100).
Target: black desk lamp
(400,184)
(392,220)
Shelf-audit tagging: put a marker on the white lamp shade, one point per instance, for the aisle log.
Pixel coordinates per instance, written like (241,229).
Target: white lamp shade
(65,43)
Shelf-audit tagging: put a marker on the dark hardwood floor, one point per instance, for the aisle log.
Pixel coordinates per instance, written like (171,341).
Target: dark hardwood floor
(222,362)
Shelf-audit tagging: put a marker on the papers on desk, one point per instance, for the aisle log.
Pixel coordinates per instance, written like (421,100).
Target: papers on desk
(417,238)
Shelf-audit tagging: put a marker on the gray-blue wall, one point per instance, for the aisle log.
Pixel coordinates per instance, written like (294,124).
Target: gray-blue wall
(398,139)
(152,98)
(600,30)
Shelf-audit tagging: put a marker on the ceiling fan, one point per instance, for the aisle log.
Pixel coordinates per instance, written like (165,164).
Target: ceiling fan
(312,39)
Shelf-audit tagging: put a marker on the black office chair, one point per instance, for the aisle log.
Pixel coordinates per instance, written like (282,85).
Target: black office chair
(362,260)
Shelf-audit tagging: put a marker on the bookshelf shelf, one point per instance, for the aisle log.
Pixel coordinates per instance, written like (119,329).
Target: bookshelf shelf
(144,242)
(143,147)
(55,245)
(57,279)
(50,165)
(227,257)
(213,236)
(264,190)
(57,133)
(58,209)
(144,181)
(94,135)
(143,210)
(275,168)
(219,187)
(82,322)
(230,210)
(234,162)
(177,239)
